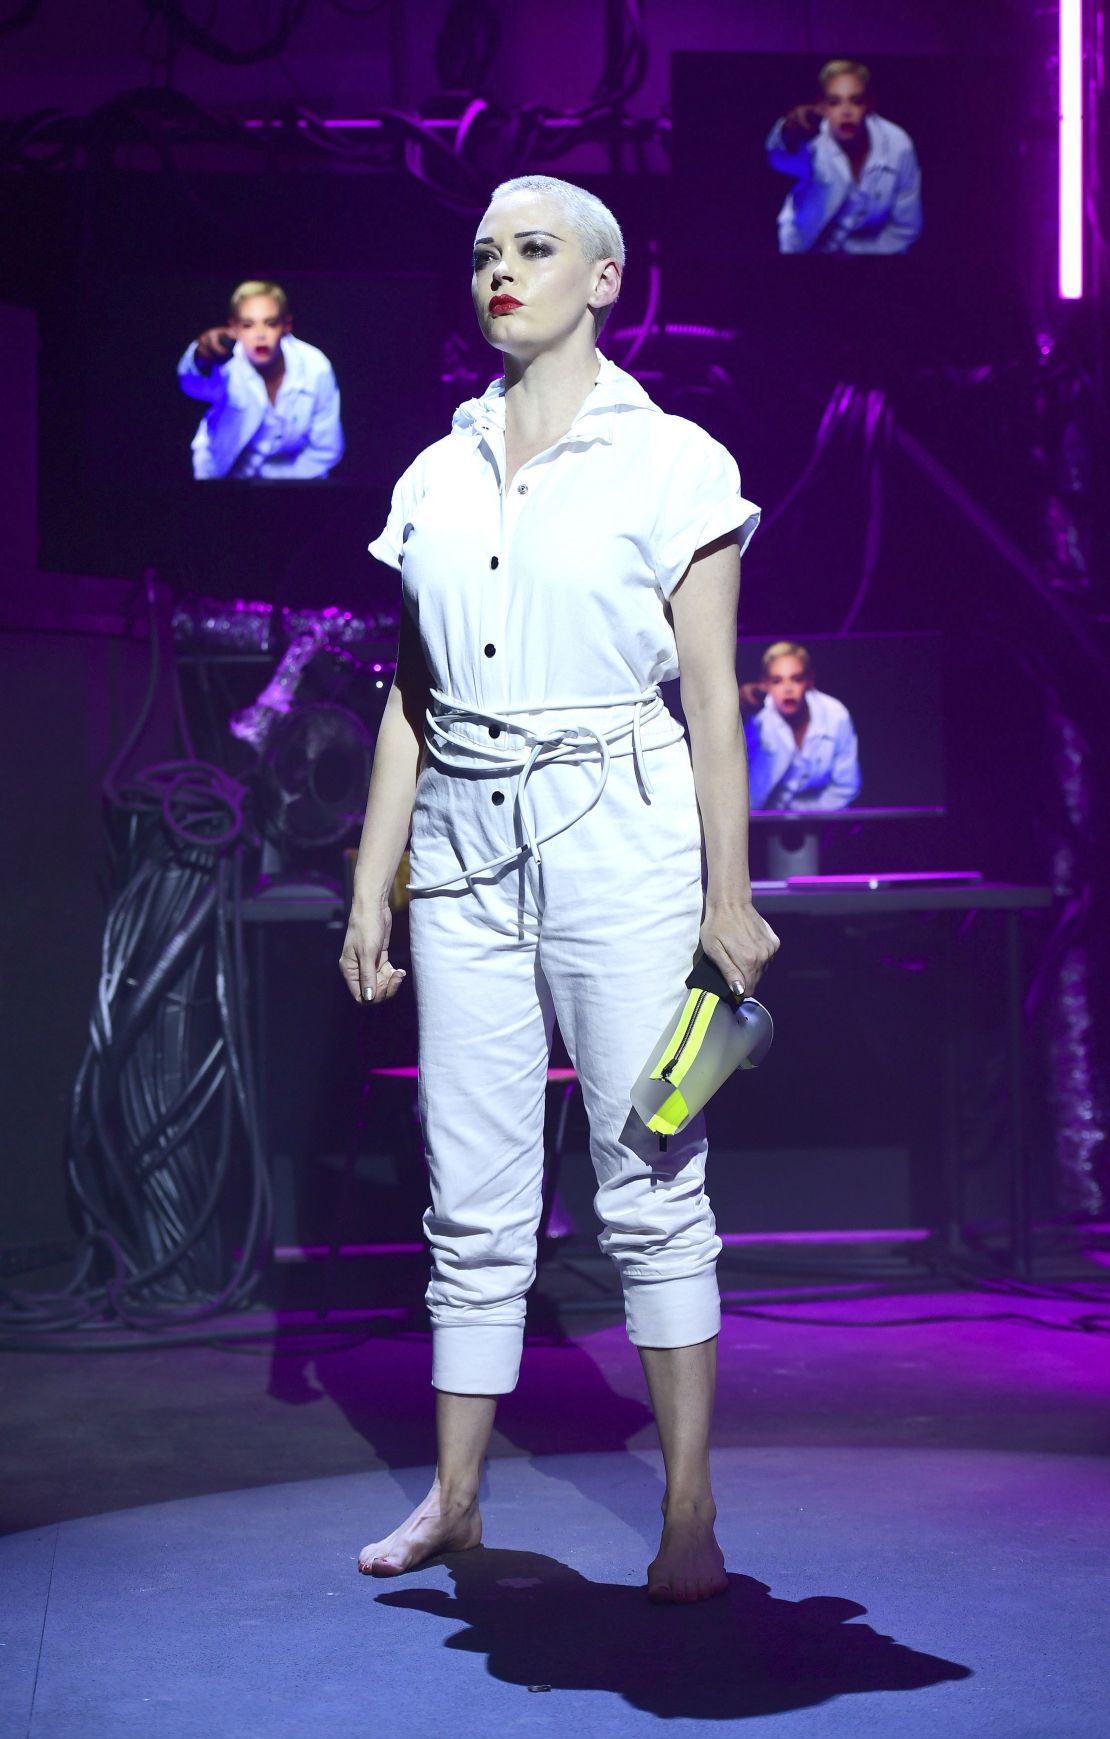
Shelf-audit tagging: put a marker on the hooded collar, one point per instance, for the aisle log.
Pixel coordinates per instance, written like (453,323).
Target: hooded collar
(612,393)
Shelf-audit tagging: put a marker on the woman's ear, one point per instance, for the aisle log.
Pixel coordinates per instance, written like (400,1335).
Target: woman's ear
(607,286)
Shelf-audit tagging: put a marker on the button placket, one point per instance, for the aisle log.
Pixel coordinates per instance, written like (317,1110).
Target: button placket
(495,610)
(491,614)
(499,563)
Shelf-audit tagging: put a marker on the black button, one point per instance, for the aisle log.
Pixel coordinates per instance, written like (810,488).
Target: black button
(493,562)
(490,649)
(495,730)
(499,797)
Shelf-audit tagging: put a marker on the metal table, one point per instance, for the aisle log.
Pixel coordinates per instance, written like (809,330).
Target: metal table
(833,898)
(874,896)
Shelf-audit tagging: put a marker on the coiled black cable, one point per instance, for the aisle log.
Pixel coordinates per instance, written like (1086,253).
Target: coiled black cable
(164,1157)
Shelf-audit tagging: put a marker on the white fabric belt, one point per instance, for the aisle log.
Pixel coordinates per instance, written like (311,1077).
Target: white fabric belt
(572,743)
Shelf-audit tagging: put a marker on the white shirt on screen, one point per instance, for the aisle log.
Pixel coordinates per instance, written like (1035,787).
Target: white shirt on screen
(829,212)
(243,435)
(823,773)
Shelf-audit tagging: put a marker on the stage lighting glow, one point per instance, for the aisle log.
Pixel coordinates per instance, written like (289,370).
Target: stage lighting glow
(1071,149)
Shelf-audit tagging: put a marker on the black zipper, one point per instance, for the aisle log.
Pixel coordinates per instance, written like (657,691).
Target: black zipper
(695,1011)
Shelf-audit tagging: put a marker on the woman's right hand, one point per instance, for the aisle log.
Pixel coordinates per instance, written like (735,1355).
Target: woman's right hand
(215,345)
(800,125)
(752,696)
(365,964)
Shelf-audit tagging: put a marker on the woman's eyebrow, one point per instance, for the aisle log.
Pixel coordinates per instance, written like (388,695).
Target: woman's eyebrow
(487,240)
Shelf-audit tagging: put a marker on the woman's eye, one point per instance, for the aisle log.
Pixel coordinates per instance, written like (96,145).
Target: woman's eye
(536,249)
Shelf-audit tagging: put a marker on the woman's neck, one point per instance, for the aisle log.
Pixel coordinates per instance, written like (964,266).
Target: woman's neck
(544,393)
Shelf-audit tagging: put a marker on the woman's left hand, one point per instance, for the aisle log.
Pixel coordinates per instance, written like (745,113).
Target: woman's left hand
(740,943)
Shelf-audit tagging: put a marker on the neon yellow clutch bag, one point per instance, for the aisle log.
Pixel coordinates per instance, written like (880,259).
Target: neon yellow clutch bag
(710,1034)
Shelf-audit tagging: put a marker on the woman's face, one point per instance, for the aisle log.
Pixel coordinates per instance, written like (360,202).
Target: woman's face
(532,285)
(260,326)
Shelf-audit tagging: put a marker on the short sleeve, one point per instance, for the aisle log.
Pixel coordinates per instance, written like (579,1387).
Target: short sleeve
(388,544)
(700,500)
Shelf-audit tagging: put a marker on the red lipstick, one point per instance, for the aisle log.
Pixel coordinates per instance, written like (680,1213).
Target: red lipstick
(503,304)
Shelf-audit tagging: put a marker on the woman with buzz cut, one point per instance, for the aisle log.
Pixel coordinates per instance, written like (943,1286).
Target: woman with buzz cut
(563,550)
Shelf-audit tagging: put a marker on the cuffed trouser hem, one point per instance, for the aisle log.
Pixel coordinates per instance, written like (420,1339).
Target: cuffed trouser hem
(476,1358)
(672,1313)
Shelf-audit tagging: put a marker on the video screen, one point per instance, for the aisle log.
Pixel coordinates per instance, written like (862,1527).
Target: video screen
(857,156)
(245,451)
(303,379)
(834,723)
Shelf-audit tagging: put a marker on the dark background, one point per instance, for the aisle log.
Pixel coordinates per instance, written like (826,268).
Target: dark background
(123,252)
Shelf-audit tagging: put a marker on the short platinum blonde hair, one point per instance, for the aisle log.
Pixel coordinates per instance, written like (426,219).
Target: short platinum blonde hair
(258,287)
(786,649)
(594,224)
(844,69)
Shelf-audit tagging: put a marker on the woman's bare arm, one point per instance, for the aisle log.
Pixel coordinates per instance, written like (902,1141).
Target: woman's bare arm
(364,961)
(703,611)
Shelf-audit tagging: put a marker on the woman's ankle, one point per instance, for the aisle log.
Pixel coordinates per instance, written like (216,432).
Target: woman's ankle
(696,1502)
(455,1495)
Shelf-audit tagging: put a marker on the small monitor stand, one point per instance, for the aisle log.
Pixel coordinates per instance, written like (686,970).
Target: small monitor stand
(794,835)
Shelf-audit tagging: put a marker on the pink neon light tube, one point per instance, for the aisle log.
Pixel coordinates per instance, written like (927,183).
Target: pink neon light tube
(1071,149)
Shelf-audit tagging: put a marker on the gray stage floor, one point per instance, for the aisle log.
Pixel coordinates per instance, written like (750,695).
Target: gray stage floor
(915,1520)
(872,1592)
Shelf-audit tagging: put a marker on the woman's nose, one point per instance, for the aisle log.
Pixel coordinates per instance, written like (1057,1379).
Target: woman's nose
(500,273)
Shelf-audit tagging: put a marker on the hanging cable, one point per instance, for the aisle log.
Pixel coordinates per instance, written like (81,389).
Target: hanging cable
(165,1159)
(875,444)
(840,412)
(199,37)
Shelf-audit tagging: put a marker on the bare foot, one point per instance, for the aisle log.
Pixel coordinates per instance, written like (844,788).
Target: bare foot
(434,1527)
(689,1565)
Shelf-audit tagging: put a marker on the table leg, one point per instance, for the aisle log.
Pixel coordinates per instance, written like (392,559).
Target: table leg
(1021,1229)
(553,1165)
(951,1172)
(256,1001)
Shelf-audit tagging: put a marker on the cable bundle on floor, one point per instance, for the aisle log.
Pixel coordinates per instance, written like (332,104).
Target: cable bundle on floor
(164,1154)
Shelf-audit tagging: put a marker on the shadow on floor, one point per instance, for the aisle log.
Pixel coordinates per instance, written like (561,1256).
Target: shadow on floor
(546,1627)
(563,1405)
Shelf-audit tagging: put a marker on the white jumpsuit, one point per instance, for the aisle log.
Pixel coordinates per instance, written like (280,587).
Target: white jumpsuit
(556,849)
